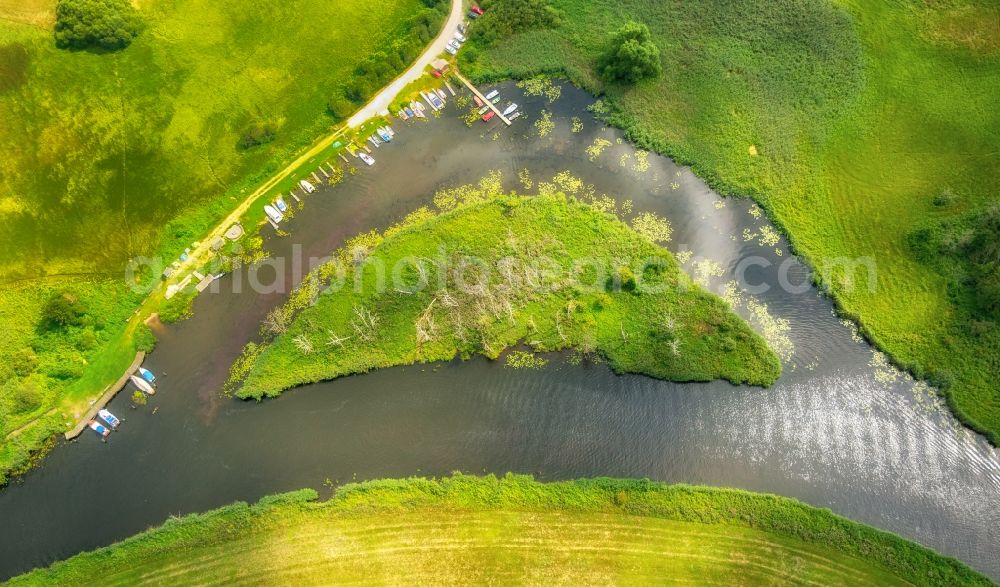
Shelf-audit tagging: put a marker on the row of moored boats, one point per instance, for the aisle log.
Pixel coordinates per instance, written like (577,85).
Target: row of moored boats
(106,422)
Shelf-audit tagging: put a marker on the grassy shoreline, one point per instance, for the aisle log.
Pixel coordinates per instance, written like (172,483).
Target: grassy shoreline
(492,271)
(110,330)
(478,527)
(848,151)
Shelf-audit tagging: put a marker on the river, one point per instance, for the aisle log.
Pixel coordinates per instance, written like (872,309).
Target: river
(838,430)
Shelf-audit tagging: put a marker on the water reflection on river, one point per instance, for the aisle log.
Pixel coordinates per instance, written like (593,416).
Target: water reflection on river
(835,431)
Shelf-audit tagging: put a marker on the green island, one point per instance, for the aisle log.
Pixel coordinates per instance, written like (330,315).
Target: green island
(210,99)
(515,530)
(805,107)
(490,271)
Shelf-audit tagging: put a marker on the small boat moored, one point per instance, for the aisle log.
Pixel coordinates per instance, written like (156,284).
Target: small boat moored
(109,418)
(385,136)
(492,95)
(509,110)
(147,375)
(489,116)
(275,217)
(308,187)
(143,385)
(366,158)
(280,204)
(99,428)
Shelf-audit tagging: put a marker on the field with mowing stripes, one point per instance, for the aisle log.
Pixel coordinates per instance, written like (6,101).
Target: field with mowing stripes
(513,530)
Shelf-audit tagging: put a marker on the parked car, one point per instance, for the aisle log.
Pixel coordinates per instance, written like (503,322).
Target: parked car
(459,37)
(463,26)
(454,44)
(450,50)
(473,15)
(475,8)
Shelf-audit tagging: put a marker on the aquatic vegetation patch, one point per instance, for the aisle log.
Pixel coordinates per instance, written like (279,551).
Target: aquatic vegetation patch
(594,150)
(524,360)
(544,125)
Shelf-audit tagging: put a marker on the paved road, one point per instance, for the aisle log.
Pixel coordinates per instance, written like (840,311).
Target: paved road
(380,103)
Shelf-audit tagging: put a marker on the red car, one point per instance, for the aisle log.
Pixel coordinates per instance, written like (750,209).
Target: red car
(436,73)
(488,116)
(477,9)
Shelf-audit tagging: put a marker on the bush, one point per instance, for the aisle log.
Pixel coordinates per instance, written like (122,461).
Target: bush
(61,310)
(101,24)
(260,133)
(632,56)
(506,17)
(27,396)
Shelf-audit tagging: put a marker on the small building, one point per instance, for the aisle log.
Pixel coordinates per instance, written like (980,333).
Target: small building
(440,66)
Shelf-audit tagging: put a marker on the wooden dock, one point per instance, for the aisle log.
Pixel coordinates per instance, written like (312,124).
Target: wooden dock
(475,91)
(109,393)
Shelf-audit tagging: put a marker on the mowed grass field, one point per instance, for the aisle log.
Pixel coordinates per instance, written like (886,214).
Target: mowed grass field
(514,531)
(844,120)
(109,156)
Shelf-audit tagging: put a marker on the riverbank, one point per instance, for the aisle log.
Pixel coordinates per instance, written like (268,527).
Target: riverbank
(847,131)
(490,271)
(595,530)
(110,311)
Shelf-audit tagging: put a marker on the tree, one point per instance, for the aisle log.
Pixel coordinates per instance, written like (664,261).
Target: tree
(62,310)
(101,24)
(632,55)
(138,399)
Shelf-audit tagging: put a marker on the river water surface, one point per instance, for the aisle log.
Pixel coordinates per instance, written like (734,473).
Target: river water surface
(838,430)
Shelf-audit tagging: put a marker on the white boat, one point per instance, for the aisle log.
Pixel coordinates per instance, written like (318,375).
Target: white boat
(147,375)
(510,109)
(99,428)
(280,204)
(441,93)
(514,116)
(273,214)
(374,141)
(389,130)
(383,134)
(308,187)
(492,95)
(142,384)
(366,158)
(109,418)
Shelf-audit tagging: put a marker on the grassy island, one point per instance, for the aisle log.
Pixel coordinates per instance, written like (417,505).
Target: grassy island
(863,128)
(491,271)
(515,530)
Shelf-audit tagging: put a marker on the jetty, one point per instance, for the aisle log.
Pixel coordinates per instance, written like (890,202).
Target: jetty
(109,393)
(476,91)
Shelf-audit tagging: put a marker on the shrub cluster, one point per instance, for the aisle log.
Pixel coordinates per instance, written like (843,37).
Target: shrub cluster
(632,55)
(384,64)
(101,24)
(503,18)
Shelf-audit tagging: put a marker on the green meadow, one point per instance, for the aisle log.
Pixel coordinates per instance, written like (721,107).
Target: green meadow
(856,125)
(108,156)
(514,530)
(490,271)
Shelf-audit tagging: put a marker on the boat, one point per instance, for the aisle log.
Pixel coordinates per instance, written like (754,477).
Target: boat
(477,101)
(308,187)
(492,95)
(99,428)
(514,116)
(366,158)
(109,418)
(489,116)
(273,215)
(385,136)
(401,114)
(280,204)
(389,130)
(147,375)
(510,109)
(409,113)
(142,384)
(484,109)
(374,141)
(441,93)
